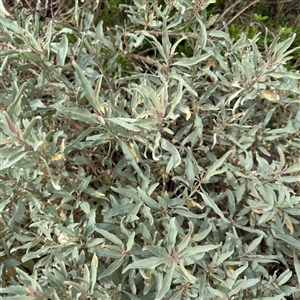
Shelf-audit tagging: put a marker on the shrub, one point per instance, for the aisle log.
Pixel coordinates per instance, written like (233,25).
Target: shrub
(134,170)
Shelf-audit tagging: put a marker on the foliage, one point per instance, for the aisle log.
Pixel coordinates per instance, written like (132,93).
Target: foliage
(258,14)
(133,171)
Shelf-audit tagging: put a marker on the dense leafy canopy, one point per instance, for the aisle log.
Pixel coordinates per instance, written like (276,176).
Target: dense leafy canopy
(157,159)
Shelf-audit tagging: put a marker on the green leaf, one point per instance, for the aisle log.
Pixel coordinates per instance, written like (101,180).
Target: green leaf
(254,244)
(212,170)
(62,51)
(175,159)
(14,109)
(122,122)
(187,62)
(191,251)
(282,47)
(238,288)
(165,40)
(13,25)
(32,56)
(128,154)
(208,201)
(87,88)
(77,113)
(157,44)
(233,277)
(146,263)
(297,266)
(187,238)
(111,237)
(86,278)
(29,127)
(148,200)
(288,239)
(200,236)
(84,183)
(223,257)
(220,34)
(19,211)
(112,268)
(285,75)
(158,251)
(284,277)
(13,158)
(165,287)
(10,124)
(77,286)
(130,241)
(150,93)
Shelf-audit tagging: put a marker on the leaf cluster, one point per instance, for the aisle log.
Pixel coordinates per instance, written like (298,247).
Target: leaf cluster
(131,169)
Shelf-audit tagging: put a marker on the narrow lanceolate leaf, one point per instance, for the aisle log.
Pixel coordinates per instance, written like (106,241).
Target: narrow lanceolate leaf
(148,200)
(3,10)
(14,157)
(288,239)
(130,242)
(297,266)
(192,251)
(212,170)
(62,51)
(87,88)
(112,268)
(254,244)
(146,263)
(166,283)
(13,25)
(10,124)
(130,157)
(190,61)
(284,277)
(208,201)
(19,210)
(14,109)
(186,239)
(77,113)
(175,159)
(29,127)
(110,237)
(94,269)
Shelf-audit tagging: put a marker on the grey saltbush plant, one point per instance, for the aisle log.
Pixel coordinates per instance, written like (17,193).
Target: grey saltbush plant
(155,160)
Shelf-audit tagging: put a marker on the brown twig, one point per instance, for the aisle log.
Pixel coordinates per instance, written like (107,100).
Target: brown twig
(240,12)
(170,34)
(228,9)
(145,60)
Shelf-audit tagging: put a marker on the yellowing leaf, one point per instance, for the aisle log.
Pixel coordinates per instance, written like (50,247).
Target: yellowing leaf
(268,95)
(216,281)
(289,225)
(2,225)
(209,64)
(57,156)
(147,281)
(151,16)
(188,114)
(62,238)
(131,149)
(230,269)
(11,272)
(259,211)
(100,246)
(165,195)
(190,203)
(211,20)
